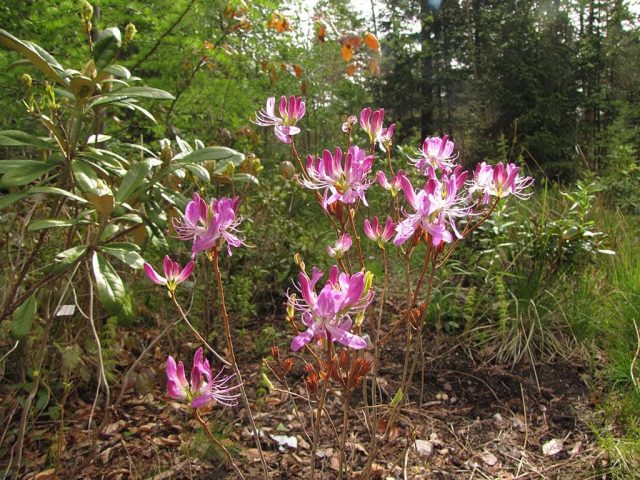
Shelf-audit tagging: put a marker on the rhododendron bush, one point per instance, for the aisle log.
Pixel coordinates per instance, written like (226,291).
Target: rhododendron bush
(337,319)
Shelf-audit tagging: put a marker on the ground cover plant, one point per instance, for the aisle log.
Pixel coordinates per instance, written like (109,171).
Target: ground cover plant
(225,259)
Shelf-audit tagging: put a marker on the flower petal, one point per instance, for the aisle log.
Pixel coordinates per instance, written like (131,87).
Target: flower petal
(153,275)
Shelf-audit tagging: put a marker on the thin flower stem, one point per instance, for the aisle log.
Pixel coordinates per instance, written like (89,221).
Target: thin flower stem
(374,374)
(234,363)
(356,237)
(414,298)
(296,155)
(407,372)
(195,331)
(345,426)
(320,406)
(388,152)
(217,443)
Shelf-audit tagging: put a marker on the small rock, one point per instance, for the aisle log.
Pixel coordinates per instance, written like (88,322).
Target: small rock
(518,424)
(424,448)
(489,459)
(285,441)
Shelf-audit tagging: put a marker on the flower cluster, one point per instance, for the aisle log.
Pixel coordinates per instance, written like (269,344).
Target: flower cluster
(204,388)
(443,200)
(210,225)
(436,206)
(431,213)
(328,314)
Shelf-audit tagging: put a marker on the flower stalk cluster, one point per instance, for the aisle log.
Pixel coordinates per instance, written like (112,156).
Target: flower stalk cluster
(434,203)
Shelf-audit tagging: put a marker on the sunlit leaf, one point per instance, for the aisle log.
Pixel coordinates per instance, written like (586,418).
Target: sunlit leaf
(371,41)
(347,53)
(110,287)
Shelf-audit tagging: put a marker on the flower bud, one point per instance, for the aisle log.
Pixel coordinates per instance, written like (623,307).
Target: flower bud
(86,27)
(275,353)
(87,11)
(166,154)
(297,258)
(287,170)
(129,32)
(27,81)
(291,306)
(287,365)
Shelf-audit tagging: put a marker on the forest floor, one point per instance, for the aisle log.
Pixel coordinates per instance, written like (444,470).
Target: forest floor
(472,421)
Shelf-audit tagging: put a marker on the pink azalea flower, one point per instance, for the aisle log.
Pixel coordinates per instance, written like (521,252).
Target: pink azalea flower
(377,233)
(371,123)
(346,183)
(173,275)
(482,179)
(394,185)
(436,206)
(328,314)
(351,121)
(291,112)
(436,152)
(385,139)
(210,225)
(204,387)
(340,247)
(499,181)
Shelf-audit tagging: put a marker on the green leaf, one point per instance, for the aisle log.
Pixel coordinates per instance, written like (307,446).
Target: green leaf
(51,223)
(118,71)
(133,179)
(140,92)
(18,138)
(68,258)
(8,165)
(38,57)
(125,315)
(93,139)
(85,176)
(22,319)
(130,217)
(140,148)
(244,178)
(111,291)
(106,47)
(23,174)
(397,398)
(212,153)
(7,200)
(128,253)
(137,108)
(200,172)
